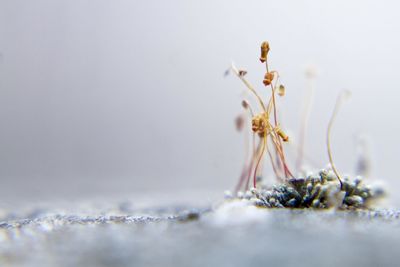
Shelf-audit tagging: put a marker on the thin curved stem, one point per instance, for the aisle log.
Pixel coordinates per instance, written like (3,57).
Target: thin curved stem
(273,96)
(259,160)
(249,86)
(338,103)
(250,168)
(303,125)
(272,162)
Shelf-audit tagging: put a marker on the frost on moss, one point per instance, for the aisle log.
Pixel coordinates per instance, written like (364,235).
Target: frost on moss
(321,191)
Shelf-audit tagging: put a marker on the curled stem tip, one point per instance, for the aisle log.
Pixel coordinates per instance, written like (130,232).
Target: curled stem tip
(339,101)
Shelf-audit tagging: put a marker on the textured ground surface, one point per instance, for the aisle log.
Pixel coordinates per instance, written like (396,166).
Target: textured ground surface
(234,234)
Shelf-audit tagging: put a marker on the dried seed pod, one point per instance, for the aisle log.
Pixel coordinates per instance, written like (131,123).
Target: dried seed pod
(282,135)
(281,90)
(264,51)
(268,77)
(242,73)
(259,123)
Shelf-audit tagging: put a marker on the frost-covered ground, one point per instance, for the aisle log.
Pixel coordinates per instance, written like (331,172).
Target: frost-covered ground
(231,234)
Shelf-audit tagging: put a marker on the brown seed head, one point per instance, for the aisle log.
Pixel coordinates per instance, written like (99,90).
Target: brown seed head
(256,123)
(264,51)
(259,123)
(268,77)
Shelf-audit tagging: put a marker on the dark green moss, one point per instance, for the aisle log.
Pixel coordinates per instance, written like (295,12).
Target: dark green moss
(320,191)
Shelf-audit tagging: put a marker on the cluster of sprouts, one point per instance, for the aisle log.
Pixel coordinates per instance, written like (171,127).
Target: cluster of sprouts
(268,138)
(267,130)
(265,127)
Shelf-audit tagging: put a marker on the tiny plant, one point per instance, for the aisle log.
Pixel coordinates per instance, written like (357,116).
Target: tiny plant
(268,137)
(265,126)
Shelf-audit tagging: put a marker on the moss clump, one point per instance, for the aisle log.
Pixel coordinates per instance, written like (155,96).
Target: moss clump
(321,191)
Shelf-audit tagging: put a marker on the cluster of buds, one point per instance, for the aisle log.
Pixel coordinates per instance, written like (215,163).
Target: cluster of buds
(259,123)
(269,76)
(262,126)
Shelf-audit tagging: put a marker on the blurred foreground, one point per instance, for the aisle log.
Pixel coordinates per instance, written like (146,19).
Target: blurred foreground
(234,234)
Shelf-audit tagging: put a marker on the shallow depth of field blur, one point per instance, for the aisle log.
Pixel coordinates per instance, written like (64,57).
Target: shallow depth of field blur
(104,99)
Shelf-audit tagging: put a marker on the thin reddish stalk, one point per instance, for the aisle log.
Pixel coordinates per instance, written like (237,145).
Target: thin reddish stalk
(258,162)
(255,151)
(273,97)
(241,179)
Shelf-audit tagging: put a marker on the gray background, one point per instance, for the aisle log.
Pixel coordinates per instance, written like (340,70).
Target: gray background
(107,98)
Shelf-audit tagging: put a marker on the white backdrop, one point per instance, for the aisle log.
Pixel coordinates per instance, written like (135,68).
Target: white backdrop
(112,97)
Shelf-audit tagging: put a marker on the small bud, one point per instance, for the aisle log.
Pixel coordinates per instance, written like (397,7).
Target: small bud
(281,90)
(284,137)
(264,51)
(268,77)
(239,122)
(245,104)
(242,73)
(258,124)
